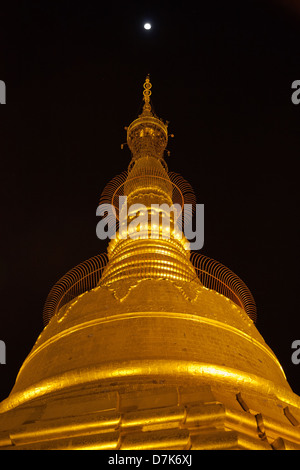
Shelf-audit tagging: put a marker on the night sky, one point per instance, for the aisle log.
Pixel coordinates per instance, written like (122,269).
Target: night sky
(221,74)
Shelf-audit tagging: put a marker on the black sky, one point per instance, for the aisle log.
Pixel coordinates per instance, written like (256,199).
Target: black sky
(221,74)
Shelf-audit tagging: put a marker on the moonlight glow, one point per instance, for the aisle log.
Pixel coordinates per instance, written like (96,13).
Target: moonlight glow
(147,26)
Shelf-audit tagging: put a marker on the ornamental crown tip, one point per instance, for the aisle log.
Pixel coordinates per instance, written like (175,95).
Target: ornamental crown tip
(147,93)
(147,135)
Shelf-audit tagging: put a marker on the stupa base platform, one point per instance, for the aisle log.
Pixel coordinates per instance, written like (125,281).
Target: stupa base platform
(151,417)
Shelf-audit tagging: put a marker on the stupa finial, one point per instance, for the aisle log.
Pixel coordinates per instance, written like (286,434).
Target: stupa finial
(147,136)
(147,92)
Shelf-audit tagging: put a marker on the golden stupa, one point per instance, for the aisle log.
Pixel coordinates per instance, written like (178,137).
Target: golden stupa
(150,346)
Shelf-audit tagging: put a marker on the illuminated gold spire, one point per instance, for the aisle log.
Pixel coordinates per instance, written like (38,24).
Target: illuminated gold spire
(147,93)
(153,250)
(147,136)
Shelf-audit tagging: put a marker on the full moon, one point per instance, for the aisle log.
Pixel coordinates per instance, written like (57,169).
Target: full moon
(147,26)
